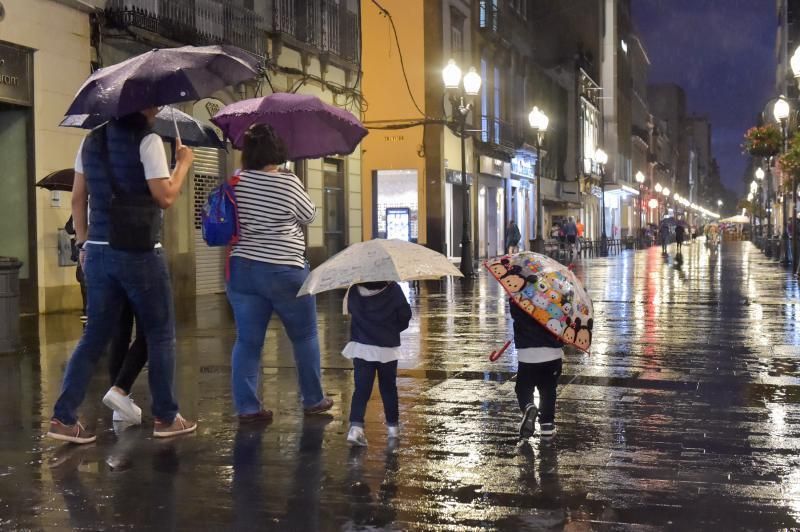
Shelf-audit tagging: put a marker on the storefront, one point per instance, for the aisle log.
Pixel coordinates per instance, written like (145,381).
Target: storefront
(492,179)
(619,206)
(521,205)
(396,204)
(17,198)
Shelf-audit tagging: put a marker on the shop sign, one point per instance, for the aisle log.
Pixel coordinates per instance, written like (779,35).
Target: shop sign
(204,109)
(523,166)
(454,177)
(495,167)
(15,75)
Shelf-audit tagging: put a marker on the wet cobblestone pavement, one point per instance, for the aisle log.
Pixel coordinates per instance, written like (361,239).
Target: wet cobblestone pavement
(685,416)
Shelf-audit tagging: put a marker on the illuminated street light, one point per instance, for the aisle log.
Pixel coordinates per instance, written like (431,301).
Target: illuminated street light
(601,158)
(760,174)
(781,109)
(658,188)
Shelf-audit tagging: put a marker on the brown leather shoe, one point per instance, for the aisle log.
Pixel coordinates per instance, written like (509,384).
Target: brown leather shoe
(319,408)
(179,425)
(71,433)
(262,416)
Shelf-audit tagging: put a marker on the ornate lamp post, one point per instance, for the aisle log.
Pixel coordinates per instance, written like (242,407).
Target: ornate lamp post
(658,189)
(781,112)
(665,192)
(460,91)
(601,158)
(640,179)
(539,122)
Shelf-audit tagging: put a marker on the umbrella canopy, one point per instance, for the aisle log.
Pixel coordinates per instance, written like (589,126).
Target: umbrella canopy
(309,127)
(738,219)
(549,292)
(192,131)
(160,77)
(378,260)
(59,180)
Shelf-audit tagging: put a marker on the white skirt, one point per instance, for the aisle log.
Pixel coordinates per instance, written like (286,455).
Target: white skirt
(371,353)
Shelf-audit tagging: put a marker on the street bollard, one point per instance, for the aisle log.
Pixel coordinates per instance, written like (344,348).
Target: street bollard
(9,304)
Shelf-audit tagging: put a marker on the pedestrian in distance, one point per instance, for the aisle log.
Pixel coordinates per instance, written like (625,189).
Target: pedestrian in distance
(663,234)
(539,363)
(571,232)
(513,237)
(118,166)
(680,234)
(267,268)
(380,312)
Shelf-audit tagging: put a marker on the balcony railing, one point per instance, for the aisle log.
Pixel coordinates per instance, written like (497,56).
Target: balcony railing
(324,25)
(497,132)
(197,22)
(493,20)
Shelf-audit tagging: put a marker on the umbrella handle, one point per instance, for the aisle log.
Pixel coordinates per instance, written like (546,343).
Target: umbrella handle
(175,123)
(496,354)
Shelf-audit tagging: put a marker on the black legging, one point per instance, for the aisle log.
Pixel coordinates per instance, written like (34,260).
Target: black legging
(127,360)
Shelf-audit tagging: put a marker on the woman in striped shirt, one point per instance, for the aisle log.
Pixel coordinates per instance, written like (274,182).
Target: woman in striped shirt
(267,269)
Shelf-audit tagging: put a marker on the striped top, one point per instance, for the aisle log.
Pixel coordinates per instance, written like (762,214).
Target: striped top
(272,206)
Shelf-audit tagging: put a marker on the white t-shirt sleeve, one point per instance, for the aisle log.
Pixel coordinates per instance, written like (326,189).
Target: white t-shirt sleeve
(153,157)
(79,158)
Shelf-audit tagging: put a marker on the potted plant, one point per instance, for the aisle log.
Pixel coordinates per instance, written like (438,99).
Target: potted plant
(763,141)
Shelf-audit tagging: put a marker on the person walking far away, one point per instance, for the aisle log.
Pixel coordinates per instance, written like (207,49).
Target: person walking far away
(680,233)
(513,237)
(119,166)
(380,312)
(571,231)
(267,269)
(539,362)
(663,234)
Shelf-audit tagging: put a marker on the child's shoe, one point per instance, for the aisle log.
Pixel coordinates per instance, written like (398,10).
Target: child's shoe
(547,430)
(527,427)
(357,437)
(393,432)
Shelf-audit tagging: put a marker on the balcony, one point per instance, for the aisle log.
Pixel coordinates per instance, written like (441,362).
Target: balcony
(497,133)
(324,26)
(494,22)
(196,22)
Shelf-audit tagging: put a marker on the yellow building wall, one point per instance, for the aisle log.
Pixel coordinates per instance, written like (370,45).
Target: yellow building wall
(61,62)
(384,88)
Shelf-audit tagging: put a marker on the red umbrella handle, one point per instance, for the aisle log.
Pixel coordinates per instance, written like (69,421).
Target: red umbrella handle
(496,354)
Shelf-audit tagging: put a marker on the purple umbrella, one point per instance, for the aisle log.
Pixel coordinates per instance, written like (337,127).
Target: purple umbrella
(162,77)
(309,127)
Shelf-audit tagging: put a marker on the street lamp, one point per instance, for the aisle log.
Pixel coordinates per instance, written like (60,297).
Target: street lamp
(658,189)
(459,90)
(601,158)
(781,111)
(640,179)
(539,122)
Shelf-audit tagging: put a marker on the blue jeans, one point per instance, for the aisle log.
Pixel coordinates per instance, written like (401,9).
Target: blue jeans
(256,289)
(112,276)
(364,376)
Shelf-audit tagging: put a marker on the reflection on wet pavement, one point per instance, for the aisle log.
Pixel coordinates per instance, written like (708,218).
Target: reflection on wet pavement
(686,415)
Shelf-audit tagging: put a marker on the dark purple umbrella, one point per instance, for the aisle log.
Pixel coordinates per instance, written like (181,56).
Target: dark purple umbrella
(59,180)
(161,77)
(309,127)
(192,131)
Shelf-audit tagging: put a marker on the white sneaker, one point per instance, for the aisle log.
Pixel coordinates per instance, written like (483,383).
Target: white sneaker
(393,432)
(123,406)
(356,437)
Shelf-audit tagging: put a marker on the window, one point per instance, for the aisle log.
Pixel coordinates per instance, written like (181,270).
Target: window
(590,126)
(457,19)
(484,101)
(497,105)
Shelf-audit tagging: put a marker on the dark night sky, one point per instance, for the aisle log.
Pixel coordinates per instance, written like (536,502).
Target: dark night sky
(722,53)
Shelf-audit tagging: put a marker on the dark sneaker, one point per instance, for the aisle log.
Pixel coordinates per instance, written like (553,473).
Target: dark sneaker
(178,426)
(527,427)
(547,429)
(319,408)
(71,433)
(262,416)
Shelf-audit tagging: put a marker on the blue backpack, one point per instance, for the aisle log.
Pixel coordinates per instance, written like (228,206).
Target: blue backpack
(220,219)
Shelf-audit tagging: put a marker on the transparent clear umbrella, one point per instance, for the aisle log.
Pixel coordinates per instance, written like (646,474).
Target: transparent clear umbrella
(378,260)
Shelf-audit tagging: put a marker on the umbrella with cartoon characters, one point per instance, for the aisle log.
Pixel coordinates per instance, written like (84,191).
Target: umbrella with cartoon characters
(549,292)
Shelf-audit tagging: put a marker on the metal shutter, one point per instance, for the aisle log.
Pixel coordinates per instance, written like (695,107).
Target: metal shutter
(209,262)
